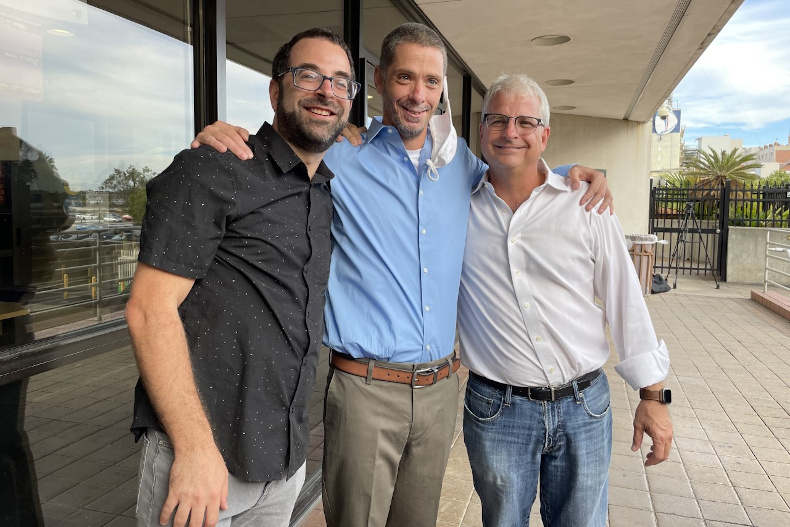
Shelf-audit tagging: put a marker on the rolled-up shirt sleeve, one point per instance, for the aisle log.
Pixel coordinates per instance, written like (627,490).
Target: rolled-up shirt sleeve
(643,359)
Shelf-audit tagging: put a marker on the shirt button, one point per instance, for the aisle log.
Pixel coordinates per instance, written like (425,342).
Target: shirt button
(424,231)
(421,193)
(538,338)
(428,347)
(512,240)
(405,158)
(427,308)
(389,130)
(526,304)
(424,269)
(503,211)
(518,273)
(551,370)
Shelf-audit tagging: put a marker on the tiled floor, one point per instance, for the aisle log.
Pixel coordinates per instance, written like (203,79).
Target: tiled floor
(730,463)
(77,418)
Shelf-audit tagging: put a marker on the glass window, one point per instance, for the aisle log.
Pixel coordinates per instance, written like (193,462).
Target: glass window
(476,117)
(95,99)
(456,84)
(255,31)
(92,105)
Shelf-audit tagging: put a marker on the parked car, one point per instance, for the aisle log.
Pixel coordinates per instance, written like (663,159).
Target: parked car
(112,218)
(127,217)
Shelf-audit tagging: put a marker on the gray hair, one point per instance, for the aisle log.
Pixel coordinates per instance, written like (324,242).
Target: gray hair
(519,84)
(410,33)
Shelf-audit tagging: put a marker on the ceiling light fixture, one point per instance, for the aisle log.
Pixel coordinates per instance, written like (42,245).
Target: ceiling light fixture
(550,40)
(60,32)
(559,82)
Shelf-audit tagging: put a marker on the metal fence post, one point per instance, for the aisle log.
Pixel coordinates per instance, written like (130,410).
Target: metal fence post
(724,229)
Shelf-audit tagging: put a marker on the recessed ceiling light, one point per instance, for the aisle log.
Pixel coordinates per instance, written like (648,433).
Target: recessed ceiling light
(60,32)
(559,82)
(370,96)
(563,108)
(550,40)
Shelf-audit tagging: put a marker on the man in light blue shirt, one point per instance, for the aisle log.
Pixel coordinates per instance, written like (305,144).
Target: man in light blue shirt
(401,207)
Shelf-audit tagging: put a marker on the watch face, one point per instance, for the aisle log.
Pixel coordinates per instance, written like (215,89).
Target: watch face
(666,396)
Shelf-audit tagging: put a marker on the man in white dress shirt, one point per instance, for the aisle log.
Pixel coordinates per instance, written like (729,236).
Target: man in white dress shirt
(537,402)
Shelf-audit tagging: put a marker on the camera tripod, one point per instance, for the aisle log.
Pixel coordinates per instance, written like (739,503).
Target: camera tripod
(683,240)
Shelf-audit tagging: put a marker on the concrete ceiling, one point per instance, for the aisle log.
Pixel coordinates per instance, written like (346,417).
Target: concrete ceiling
(625,56)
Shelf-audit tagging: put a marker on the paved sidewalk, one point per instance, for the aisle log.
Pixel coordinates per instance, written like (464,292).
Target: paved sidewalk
(730,463)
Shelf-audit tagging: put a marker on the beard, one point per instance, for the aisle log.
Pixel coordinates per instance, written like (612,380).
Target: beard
(310,136)
(406,129)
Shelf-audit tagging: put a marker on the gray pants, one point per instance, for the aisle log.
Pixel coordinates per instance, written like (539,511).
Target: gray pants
(385,450)
(266,504)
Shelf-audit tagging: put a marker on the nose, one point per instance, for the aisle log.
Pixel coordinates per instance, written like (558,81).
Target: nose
(418,92)
(326,88)
(511,130)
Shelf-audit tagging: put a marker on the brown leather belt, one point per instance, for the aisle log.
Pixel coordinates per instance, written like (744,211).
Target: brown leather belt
(417,379)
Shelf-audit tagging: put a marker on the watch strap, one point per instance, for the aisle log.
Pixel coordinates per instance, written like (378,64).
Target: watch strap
(653,395)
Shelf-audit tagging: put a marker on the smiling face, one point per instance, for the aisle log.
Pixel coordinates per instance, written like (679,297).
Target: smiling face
(508,151)
(410,90)
(311,120)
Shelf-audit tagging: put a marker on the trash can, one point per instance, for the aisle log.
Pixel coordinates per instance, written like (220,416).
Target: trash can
(642,248)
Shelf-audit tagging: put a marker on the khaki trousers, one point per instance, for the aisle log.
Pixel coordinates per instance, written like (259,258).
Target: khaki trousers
(385,449)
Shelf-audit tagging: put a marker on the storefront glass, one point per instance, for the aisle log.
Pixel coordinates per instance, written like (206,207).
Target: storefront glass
(93,103)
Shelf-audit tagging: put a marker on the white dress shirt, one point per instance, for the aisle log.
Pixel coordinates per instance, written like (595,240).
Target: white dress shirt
(527,313)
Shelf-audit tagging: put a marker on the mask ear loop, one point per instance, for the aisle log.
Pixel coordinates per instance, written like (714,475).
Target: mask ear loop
(432,171)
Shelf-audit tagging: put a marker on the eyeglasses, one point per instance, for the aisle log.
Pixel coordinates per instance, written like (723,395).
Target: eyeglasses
(311,80)
(524,124)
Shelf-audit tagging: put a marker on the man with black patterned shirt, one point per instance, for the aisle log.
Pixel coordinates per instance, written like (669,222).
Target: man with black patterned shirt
(227,304)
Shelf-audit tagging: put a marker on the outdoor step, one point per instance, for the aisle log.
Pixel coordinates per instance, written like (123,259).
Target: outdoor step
(776,302)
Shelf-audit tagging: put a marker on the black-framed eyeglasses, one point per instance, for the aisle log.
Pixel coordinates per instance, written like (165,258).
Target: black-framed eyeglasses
(524,123)
(311,80)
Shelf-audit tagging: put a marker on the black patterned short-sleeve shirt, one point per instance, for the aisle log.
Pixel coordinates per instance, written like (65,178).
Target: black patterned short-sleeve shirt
(255,236)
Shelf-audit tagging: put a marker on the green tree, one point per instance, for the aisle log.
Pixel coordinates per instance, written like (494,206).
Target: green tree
(775,179)
(122,184)
(718,167)
(136,208)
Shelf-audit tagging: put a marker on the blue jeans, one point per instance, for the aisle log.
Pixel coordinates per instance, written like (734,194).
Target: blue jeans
(513,442)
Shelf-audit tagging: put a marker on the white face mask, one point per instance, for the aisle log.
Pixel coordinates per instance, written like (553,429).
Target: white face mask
(444,140)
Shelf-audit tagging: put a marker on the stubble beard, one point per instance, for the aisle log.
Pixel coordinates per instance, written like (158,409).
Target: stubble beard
(309,136)
(406,129)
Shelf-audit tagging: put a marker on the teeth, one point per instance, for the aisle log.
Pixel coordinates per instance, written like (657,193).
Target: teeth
(319,111)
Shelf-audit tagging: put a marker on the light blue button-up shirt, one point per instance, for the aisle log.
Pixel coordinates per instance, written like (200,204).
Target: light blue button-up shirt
(398,247)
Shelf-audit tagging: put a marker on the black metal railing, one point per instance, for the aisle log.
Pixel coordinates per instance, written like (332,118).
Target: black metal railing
(695,218)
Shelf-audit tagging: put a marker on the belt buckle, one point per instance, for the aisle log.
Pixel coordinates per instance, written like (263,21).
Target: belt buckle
(426,371)
(529,393)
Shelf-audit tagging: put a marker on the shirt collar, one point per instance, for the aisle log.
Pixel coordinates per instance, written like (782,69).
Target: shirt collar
(283,155)
(552,179)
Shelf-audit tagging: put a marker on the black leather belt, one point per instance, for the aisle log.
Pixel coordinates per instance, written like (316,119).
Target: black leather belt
(542,393)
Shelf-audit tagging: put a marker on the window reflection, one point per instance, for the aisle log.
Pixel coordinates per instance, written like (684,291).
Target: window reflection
(91,106)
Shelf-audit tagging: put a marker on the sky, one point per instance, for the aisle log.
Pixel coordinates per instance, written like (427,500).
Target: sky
(741,84)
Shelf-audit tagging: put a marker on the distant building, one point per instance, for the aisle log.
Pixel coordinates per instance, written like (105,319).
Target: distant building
(718,143)
(774,157)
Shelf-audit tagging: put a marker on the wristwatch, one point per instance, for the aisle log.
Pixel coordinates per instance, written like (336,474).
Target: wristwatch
(663,396)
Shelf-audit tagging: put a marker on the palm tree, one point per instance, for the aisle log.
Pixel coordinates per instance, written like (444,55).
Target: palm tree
(720,166)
